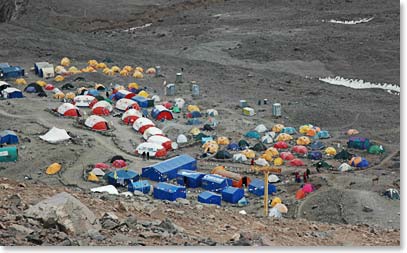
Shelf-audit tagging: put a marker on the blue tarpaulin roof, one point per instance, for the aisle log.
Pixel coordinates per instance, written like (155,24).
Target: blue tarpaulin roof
(170,192)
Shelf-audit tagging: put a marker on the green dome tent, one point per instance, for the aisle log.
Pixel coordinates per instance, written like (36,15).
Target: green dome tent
(376,149)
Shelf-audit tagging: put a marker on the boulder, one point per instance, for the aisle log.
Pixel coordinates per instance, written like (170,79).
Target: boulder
(65,212)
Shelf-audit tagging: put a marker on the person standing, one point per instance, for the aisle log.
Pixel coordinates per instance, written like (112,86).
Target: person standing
(305,176)
(144,156)
(148,155)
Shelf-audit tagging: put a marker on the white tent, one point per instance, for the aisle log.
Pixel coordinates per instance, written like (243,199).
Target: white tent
(179,102)
(344,167)
(182,139)
(156,98)
(239,158)
(261,128)
(275,213)
(261,162)
(212,112)
(271,134)
(273,178)
(55,135)
(124,103)
(151,132)
(266,139)
(98,172)
(152,148)
(83,100)
(107,188)
(140,122)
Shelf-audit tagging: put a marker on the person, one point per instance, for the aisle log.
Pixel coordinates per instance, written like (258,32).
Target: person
(304,176)
(297,177)
(107,94)
(144,156)
(308,173)
(148,155)
(252,162)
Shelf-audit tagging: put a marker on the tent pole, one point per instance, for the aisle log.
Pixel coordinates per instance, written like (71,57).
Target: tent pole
(266,192)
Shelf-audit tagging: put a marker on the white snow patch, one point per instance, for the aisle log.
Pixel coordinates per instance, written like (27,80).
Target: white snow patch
(138,27)
(350,22)
(360,84)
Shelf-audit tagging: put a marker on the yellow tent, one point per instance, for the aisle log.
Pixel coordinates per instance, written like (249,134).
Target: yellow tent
(273,151)
(140,69)
(277,128)
(70,95)
(80,90)
(92,177)
(59,95)
(53,168)
(143,93)
(116,69)
(21,81)
(267,156)
(73,70)
(88,69)
(275,201)
(249,153)
(223,140)
(59,78)
(192,108)
(133,86)
(211,147)
(101,65)
(120,87)
(331,151)
(106,70)
(304,128)
(128,68)
(41,83)
(208,143)
(278,161)
(284,137)
(151,71)
(93,63)
(138,74)
(109,72)
(124,72)
(195,131)
(303,140)
(65,62)
(59,69)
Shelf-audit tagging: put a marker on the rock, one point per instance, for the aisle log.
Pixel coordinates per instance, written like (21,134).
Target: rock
(127,194)
(21,229)
(65,211)
(131,222)
(138,193)
(14,200)
(367,209)
(199,207)
(180,212)
(95,235)
(211,217)
(109,224)
(170,227)
(266,241)
(34,238)
(110,216)
(235,237)
(183,201)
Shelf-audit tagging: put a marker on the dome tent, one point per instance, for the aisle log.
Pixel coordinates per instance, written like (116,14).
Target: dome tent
(317,145)
(330,151)
(315,155)
(252,134)
(142,124)
(182,139)
(243,144)
(151,131)
(343,155)
(261,162)
(68,110)
(286,156)
(359,162)
(284,137)
(155,150)
(344,167)
(375,149)
(392,193)
(259,147)
(249,153)
(233,147)
(358,143)
(323,135)
(102,108)
(296,162)
(281,145)
(223,154)
(277,128)
(159,112)
(8,137)
(299,149)
(266,139)
(130,116)
(162,140)
(261,128)
(124,104)
(303,140)
(97,123)
(239,158)
(289,130)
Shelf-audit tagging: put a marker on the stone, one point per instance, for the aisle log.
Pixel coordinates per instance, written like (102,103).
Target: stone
(110,215)
(65,211)
(138,193)
(170,227)
(180,212)
(367,209)
(95,235)
(266,241)
(34,238)
(21,229)
(235,237)
(199,207)
(109,224)
(131,222)
(183,201)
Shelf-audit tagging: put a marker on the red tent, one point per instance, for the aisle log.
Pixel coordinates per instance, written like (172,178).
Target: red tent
(281,145)
(119,164)
(49,87)
(286,156)
(102,166)
(167,105)
(300,194)
(299,149)
(296,162)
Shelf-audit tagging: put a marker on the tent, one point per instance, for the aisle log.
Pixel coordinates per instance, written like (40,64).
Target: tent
(277,128)
(194,122)
(249,153)
(169,192)
(232,146)
(273,151)
(261,162)
(12,93)
(308,188)
(208,197)
(119,164)
(330,151)
(107,188)
(315,155)
(8,154)
(167,170)
(281,145)
(223,154)
(8,137)
(100,87)
(261,128)
(155,150)
(130,116)
(267,156)
(53,169)
(266,139)
(288,130)
(212,112)
(299,149)
(194,114)
(343,155)
(97,123)
(256,187)
(273,178)
(323,135)
(352,132)
(159,112)
(55,135)
(117,157)
(98,172)
(278,161)
(312,132)
(30,89)
(83,100)
(392,193)
(143,93)
(210,147)
(124,104)
(344,167)
(232,194)
(375,149)
(317,145)
(296,162)
(33,88)
(141,101)
(274,213)
(284,137)
(286,156)
(259,147)
(67,86)
(304,128)
(358,143)
(281,208)
(179,102)
(300,194)
(243,144)
(192,108)
(195,131)
(122,177)
(142,124)
(4,85)
(322,164)
(239,158)
(92,92)
(141,186)
(102,108)
(122,93)
(151,131)
(215,183)
(303,140)
(359,162)
(162,140)
(182,139)
(275,201)
(68,110)
(102,166)
(222,140)
(252,134)
(189,178)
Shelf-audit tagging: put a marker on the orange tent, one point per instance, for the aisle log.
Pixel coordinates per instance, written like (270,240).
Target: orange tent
(300,194)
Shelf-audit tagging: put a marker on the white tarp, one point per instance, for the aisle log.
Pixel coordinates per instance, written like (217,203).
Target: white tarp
(108,188)
(55,135)
(98,172)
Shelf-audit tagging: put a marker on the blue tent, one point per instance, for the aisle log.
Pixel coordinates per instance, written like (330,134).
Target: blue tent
(170,192)
(208,197)
(189,178)
(194,121)
(215,183)
(31,89)
(233,147)
(206,139)
(167,170)
(92,92)
(141,101)
(196,114)
(289,130)
(11,72)
(358,143)
(256,187)
(142,186)
(317,145)
(252,134)
(122,177)
(315,155)
(12,93)
(8,137)
(232,194)
(323,135)
(362,164)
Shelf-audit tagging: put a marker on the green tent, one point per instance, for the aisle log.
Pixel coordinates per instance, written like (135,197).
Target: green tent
(175,109)
(322,164)
(343,155)
(243,143)
(8,154)
(199,136)
(259,147)
(376,149)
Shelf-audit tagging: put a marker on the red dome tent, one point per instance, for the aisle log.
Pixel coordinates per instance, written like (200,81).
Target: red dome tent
(125,103)
(151,131)
(68,110)
(130,116)
(281,145)
(153,149)
(96,123)
(49,87)
(142,124)
(102,108)
(299,149)
(162,140)
(159,112)
(296,162)
(286,156)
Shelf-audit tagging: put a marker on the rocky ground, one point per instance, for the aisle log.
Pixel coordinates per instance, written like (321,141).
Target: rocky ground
(277,50)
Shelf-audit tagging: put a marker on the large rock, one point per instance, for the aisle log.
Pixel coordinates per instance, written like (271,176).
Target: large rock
(66,212)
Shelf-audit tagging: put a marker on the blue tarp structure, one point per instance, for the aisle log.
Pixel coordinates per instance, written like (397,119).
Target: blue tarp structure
(252,134)
(31,89)
(289,130)
(233,147)
(189,178)
(167,170)
(170,192)
(358,143)
(92,92)
(8,137)
(122,177)
(208,197)
(317,145)
(196,114)
(256,187)
(142,186)
(141,101)
(315,155)
(232,194)
(11,72)
(323,134)
(194,121)
(12,93)
(215,183)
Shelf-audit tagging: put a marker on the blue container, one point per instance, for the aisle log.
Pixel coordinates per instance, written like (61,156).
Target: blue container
(215,183)
(232,194)
(190,178)
(8,154)
(208,197)
(142,186)
(167,170)
(169,192)
(122,177)
(8,137)
(256,187)
(141,101)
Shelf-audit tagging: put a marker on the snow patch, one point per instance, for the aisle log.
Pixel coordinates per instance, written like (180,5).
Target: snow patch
(138,27)
(350,22)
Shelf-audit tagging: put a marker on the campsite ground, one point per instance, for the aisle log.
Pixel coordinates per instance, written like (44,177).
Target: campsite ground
(235,50)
